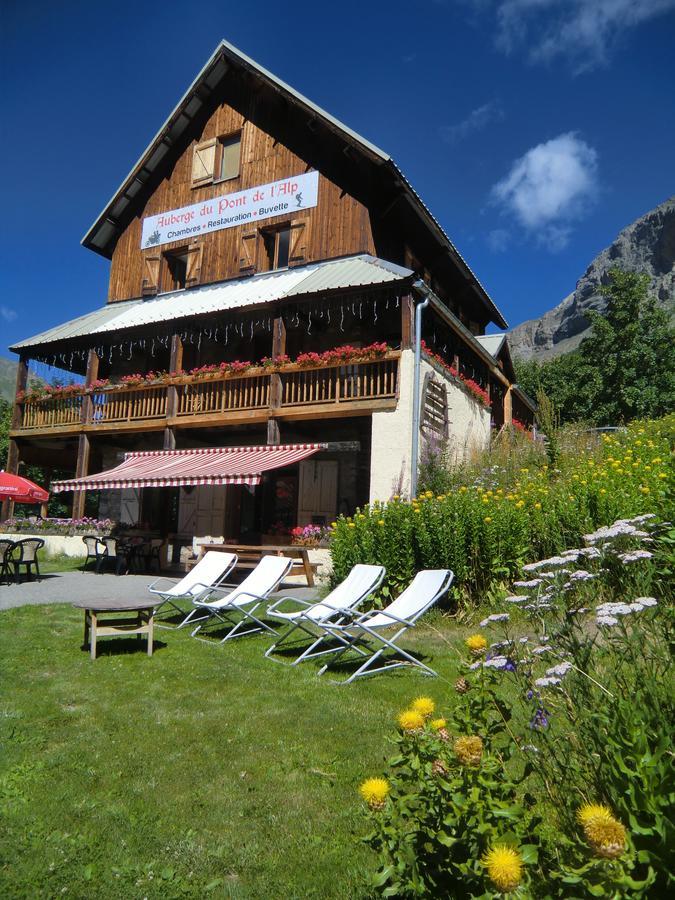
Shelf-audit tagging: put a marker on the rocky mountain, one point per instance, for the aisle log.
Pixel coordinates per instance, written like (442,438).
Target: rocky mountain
(648,245)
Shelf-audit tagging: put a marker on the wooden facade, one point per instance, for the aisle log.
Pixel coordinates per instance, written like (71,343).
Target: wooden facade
(338,226)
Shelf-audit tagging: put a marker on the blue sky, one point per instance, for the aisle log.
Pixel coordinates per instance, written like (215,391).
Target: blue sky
(533,129)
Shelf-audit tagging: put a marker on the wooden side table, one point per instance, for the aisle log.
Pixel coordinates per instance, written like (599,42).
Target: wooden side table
(119,620)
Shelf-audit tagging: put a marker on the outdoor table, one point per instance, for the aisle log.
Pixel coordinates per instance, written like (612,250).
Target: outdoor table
(118,622)
(250,554)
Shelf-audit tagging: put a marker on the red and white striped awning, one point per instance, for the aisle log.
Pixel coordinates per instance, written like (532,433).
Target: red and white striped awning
(182,468)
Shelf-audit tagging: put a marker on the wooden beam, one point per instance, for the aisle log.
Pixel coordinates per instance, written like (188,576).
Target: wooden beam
(81,469)
(278,348)
(91,376)
(508,407)
(407,320)
(175,365)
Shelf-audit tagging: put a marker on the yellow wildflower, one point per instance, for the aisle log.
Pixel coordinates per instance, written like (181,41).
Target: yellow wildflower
(476,643)
(429,494)
(333,524)
(351,524)
(438,724)
(375,791)
(591,812)
(504,866)
(380,521)
(607,838)
(469,750)
(410,721)
(537,505)
(424,705)
(396,497)
(644,489)
(520,504)
(487,519)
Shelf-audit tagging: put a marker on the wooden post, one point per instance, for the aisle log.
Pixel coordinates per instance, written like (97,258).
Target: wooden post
(12,462)
(278,348)
(508,406)
(81,469)
(91,376)
(175,364)
(407,322)
(83,448)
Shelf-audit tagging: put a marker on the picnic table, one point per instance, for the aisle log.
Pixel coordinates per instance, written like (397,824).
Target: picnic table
(116,614)
(249,555)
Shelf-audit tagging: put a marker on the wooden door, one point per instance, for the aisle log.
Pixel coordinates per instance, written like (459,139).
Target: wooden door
(318,492)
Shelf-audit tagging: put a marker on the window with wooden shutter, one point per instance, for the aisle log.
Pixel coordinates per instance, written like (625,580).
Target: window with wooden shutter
(204,162)
(248,251)
(298,241)
(193,273)
(434,407)
(150,284)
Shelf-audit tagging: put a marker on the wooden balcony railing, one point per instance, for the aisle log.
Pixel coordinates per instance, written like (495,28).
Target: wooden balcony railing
(338,384)
(224,395)
(52,412)
(291,391)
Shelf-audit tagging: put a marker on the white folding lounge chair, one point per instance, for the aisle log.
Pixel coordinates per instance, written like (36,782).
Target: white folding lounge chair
(362,634)
(211,570)
(362,581)
(243,600)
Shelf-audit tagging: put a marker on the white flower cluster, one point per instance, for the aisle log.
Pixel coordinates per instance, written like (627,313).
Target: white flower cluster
(634,556)
(554,675)
(495,617)
(550,563)
(606,613)
(608,533)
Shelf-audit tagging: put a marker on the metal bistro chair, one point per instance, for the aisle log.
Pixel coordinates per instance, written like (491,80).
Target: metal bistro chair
(27,556)
(6,547)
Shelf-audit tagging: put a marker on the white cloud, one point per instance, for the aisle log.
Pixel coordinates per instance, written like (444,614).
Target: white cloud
(549,188)
(477,119)
(583,32)
(498,240)
(7,314)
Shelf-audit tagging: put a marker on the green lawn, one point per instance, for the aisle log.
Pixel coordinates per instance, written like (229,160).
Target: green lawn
(202,771)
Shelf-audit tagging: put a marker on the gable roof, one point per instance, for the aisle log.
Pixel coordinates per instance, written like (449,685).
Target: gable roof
(104,233)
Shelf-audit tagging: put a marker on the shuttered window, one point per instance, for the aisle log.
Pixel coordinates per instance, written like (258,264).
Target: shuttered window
(216,160)
(150,283)
(204,162)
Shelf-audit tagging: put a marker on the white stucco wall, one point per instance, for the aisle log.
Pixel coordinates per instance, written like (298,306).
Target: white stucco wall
(391,441)
(391,448)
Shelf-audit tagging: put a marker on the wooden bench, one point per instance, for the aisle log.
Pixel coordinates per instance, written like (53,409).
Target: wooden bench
(249,555)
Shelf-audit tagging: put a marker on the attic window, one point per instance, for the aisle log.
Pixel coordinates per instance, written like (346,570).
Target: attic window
(216,160)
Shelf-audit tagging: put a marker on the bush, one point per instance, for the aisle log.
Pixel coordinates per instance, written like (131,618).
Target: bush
(491,521)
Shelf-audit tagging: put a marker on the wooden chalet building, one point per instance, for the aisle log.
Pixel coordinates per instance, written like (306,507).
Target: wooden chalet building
(255,235)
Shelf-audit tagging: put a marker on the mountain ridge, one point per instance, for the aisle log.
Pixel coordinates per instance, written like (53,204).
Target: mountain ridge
(646,245)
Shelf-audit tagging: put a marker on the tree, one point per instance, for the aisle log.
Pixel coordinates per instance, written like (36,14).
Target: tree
(623,370)
(5,422)
(632,348)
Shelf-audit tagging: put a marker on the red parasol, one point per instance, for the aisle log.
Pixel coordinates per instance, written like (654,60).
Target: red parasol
(21,490)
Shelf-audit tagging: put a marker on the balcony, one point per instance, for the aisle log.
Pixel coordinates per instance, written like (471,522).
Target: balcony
(190,401)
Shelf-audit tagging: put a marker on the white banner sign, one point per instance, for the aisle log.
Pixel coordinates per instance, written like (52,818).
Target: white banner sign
(264,202)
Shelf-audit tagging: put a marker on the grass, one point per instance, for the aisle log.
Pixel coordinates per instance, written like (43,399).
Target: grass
(202,771)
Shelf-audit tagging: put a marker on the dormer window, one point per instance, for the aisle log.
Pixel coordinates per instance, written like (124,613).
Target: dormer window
(216,160)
